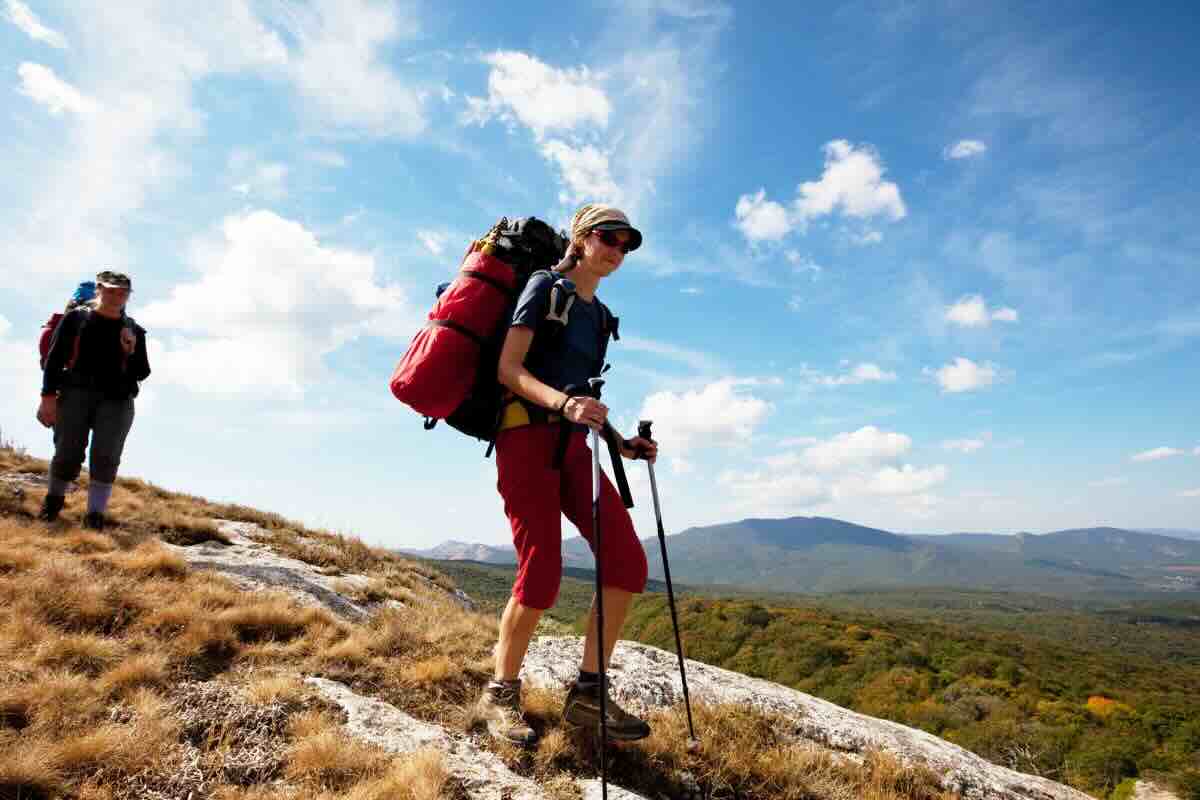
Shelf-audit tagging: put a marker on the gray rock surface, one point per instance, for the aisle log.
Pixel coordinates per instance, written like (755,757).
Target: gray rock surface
(644,678)
(483,774)
(1145,790)
(254,565)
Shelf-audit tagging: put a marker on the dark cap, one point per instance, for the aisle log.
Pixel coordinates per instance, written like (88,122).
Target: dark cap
(114,280)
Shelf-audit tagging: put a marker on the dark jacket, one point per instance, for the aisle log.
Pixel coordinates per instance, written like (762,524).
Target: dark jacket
(86,350)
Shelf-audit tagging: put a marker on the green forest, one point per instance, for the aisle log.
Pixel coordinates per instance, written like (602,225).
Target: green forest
(1057,703)
(1092,691)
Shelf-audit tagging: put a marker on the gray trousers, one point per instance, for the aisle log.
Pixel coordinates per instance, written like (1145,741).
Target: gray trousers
(82,411)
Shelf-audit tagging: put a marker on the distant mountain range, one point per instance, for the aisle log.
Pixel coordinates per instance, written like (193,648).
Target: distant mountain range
(1175,533)
(819,554)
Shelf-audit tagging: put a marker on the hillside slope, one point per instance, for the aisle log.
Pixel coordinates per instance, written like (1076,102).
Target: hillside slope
(212,651)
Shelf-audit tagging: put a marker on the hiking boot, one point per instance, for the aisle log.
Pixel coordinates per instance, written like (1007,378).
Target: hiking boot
(500,707)
(51,506)
(94,520)
(583,709)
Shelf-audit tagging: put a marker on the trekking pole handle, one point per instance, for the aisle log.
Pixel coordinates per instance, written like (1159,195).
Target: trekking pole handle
(594,387)
(644,432)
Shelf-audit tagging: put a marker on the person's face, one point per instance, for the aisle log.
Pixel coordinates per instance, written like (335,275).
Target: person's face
(113,297)
(606,249)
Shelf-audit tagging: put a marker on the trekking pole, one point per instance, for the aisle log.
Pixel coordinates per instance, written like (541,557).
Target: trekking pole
(693,742)
(594,385)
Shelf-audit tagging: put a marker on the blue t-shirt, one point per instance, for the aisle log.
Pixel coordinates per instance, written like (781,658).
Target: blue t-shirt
(573,355)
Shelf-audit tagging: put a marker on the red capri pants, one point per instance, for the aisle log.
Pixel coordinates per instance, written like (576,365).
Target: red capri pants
(536,496)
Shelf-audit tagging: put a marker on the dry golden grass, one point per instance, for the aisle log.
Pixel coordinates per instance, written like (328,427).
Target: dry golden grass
(27,771)
(82,652)
(149,559)
(432,670)
(285,689)
(146,670)
(417,776)
(324,757)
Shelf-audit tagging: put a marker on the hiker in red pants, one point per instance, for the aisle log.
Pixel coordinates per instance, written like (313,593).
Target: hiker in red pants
(539,365)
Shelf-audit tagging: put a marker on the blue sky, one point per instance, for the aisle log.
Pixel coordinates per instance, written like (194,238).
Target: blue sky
(928,267)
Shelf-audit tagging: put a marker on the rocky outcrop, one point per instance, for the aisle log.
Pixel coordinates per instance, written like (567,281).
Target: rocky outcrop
(645,678)
(254,565)
(1145,790)
(482,774)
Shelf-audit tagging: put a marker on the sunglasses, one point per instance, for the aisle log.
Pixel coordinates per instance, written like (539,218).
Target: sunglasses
(611,239)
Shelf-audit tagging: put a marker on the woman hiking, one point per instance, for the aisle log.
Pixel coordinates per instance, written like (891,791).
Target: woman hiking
(543,368)
(96,360)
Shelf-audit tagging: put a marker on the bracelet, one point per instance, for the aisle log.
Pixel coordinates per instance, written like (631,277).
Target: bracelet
(563,405)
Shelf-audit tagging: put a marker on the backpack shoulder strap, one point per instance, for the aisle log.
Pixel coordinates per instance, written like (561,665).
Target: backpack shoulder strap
(609,325)
(85,315)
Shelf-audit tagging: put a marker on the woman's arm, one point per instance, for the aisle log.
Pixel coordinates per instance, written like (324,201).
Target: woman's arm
(519,380)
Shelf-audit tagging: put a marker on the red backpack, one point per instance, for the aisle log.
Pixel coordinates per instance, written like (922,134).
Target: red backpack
(48,336)
(449,369)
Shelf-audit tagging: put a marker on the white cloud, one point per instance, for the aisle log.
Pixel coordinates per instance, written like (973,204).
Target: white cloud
(760,219)
(717,414)
(584,172)
(122,154)
(971,311)
(270,303)
(339,67)
(22,374)
(868,237)
(1190,492)
(41,85)
(691,290)
(906,480)
(801,264)
(852,185)
(852,465)
(867,445)
(797,441)
(853,182)
(681,466)
(964,375)
(1156,454)
(862,373)
(764,490)
(1108,483)
(433,241)
(23,17)
(696,360)
(966,148)
(328,158)
(261,178)
(969,445)
(1196,452)
(541,97)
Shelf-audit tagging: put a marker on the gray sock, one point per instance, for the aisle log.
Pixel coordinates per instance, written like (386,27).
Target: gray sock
(98,494)
(56,486)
